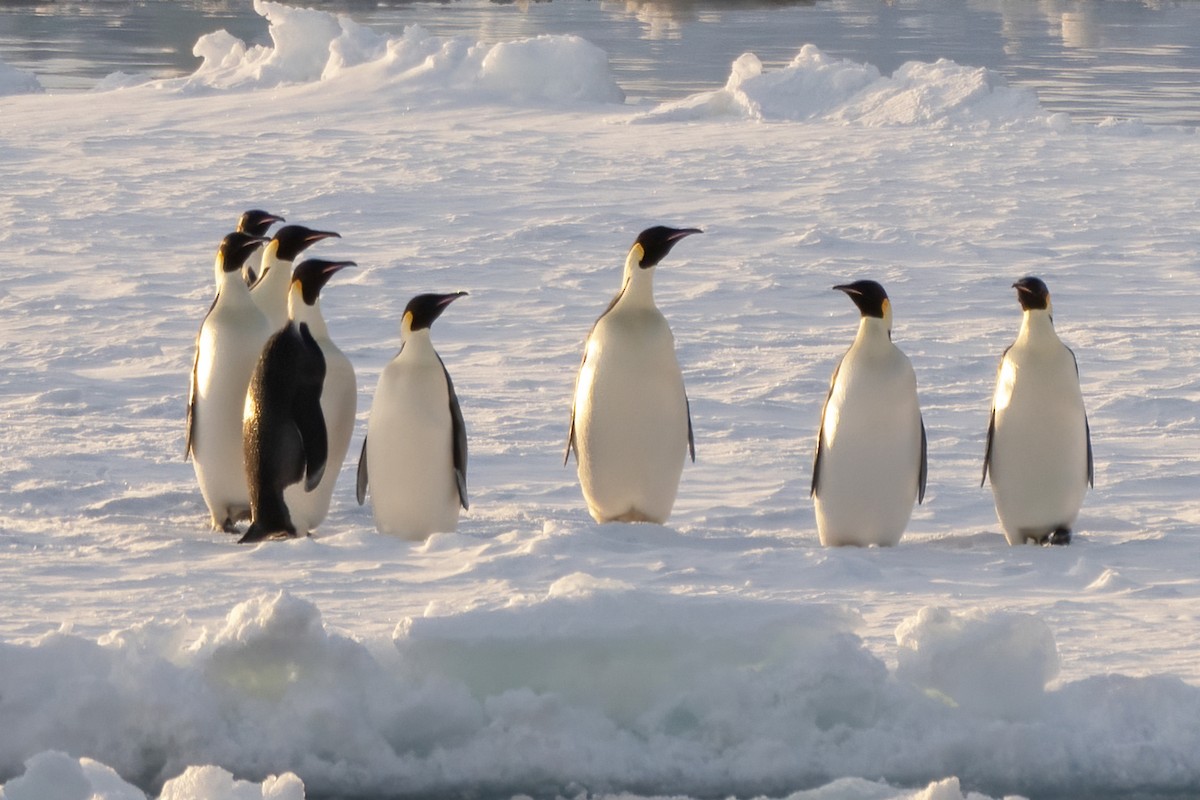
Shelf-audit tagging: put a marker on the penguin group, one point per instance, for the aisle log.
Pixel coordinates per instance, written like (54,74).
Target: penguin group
(272,405)
(272,400)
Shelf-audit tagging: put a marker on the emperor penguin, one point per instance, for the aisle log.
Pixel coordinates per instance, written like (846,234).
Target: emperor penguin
(339,393)
(870,462)
(416,460)
(283,428)
(256,222)
(1039,444)
(270,291)
(631,426)
(227,348)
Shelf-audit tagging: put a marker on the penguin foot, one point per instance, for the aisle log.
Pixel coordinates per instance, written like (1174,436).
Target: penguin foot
(1059,537)
(227,526)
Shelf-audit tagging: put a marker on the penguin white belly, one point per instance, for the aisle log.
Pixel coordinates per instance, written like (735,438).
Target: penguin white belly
(1038,458)
(631,419)
(339,403)
(871,453)
(230,347)
(410,451)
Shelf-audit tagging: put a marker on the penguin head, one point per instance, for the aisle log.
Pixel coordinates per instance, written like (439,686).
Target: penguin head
(292,240)
(423,309)
(256,222)
(311,275)
(235,249)
(870,298)
(1032,294)
(653,244)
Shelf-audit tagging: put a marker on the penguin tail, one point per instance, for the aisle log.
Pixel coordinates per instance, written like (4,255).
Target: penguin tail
(258,532)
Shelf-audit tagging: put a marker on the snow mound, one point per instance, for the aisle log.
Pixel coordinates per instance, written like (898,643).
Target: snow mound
(311,46)
(591,685)
(17,81)
(817,87)
(991,663)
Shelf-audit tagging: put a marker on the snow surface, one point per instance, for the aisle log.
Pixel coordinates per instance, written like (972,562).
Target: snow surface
(533,651)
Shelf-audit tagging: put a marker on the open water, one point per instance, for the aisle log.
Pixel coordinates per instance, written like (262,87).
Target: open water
(1093,60)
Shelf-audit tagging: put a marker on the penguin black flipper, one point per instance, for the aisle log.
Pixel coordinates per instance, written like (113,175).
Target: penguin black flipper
(816,476)
(924,466)
(1091,475)
(307,413)
(360,488)
(459,432)
(571,432)
(191,406)
(691,436)
(987,453)
(1087,431)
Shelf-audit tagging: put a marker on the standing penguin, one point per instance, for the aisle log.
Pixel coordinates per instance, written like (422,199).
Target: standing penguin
(870,462)
(270,291)
(1039,445)
(417,458)
(339,393)
(283,428)
(631,427)
(255,222)
(227,348)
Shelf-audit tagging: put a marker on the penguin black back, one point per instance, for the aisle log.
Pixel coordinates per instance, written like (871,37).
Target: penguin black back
(284,438)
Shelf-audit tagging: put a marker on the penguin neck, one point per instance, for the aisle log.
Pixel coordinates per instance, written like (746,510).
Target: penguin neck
(300,311)
(638,291)
(1037,325)
(231,285)
(416,344)
(274,273)
(874,331)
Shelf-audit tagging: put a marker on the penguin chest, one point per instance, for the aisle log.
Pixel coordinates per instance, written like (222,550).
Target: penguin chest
(870,444)
(631,420)
(1038,457)
(410,443)
(230,344)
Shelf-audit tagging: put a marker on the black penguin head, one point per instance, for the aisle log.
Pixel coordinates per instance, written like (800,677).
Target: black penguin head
(423,309)
(312,274)
(256,222)
(869,296)
(292,240)
(235,249)
(1032,294)
(656,242)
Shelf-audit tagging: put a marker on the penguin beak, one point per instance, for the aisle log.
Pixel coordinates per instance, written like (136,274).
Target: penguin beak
(336,266)
(681,233)
(450,298)
(316,236)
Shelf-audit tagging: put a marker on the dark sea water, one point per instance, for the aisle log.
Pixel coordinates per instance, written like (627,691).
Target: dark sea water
(1092,59)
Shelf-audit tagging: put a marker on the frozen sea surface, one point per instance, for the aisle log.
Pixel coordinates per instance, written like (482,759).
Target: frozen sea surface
(535,652)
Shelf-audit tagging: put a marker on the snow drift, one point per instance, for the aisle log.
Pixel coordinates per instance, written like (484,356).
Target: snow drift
(817,87)
(311,46)
(606,687)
